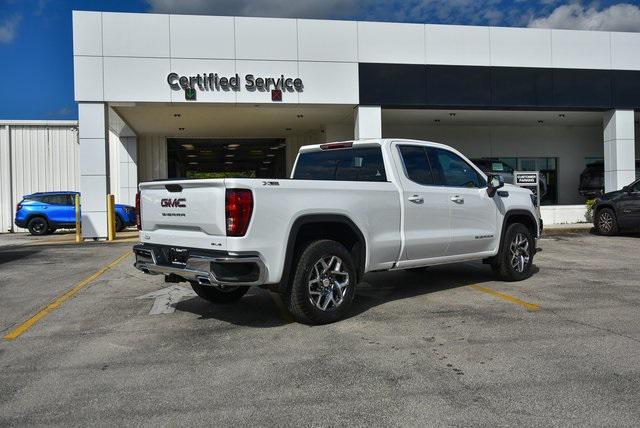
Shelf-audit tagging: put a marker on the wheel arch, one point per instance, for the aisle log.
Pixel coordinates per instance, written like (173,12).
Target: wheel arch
(519,216)
(602,206)
(34,215)
(337,227)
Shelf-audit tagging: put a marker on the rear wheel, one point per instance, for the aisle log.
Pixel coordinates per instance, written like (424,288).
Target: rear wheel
(119,224)
(38,226)
(514,262)
(605,222)
(324,283)
(219,294)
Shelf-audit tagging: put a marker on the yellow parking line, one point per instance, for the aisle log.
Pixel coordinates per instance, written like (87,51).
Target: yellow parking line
(16,332)
(526,305)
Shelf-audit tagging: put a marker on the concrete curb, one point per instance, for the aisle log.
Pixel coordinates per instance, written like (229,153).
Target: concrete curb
(556,230)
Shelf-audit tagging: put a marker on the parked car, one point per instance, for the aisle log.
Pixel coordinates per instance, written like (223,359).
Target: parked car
(350,208)
(496,166)
(45,212)
(618,211)
(592,179)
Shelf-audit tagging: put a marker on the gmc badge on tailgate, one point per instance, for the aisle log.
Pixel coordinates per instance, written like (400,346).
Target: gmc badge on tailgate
(174,203)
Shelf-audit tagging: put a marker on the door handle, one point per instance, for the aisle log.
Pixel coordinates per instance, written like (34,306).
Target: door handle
(416,199)
(457,199)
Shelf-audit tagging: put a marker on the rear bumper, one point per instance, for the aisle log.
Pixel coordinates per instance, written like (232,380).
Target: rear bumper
(21,223)
(202,266)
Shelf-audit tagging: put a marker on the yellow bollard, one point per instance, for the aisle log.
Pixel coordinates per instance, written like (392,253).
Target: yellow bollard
(78,220)
(111,218)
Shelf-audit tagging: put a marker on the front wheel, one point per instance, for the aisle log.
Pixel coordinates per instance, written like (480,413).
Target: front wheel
(324,283)
(605,222)
(514,262)
(219,294)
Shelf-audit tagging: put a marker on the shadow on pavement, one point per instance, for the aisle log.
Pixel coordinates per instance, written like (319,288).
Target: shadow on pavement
(257,309)
(383,287)
(11,254)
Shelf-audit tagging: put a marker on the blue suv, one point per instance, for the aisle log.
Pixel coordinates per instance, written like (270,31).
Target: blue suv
(44,212)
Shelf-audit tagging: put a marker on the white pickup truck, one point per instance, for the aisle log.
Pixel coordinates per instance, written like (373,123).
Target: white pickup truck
(348,209)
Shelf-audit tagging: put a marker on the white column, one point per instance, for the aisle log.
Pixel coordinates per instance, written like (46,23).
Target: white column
(368,122)
(619,149)
(94,180)
(128,170)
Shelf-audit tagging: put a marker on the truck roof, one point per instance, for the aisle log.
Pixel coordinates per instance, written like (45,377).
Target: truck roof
(371,141)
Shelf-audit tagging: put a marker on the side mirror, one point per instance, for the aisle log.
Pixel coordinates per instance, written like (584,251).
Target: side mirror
(494,182)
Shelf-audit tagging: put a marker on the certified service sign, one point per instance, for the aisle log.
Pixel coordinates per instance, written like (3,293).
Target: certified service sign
(212,82)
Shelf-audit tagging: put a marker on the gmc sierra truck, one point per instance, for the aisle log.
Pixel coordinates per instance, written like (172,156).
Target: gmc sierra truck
(349,208)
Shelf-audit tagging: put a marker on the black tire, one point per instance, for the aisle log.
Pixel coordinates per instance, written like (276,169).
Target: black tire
(511,263)
(38,226)
(217,295)
(605,222)
(329,290)
(119,224)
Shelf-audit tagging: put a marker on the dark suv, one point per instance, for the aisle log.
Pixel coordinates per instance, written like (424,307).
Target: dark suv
(592,179)
(619,210)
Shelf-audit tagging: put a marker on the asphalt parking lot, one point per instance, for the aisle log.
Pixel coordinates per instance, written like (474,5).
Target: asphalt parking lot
(449,346)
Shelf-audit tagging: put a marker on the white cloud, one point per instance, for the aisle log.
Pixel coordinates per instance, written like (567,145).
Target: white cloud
(619,17)
(9,28)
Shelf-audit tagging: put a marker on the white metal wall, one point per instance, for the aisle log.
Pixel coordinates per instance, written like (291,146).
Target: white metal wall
(5,180)
(43,158)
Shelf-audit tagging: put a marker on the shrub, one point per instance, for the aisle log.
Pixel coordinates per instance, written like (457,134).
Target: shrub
(590,203)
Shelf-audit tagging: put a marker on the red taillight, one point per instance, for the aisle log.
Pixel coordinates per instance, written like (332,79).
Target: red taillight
(238,208)
(138,212)
(18,207)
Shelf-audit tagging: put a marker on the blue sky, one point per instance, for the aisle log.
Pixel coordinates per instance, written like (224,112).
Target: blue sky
(36,40)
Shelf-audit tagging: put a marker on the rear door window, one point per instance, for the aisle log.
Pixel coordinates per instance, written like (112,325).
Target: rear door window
(356,164)
(57,199)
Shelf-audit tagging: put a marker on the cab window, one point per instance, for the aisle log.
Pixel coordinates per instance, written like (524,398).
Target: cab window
(356,164)
(451,170)
(416,164)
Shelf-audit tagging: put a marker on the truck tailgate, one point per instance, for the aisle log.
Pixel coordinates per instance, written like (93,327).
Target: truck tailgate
(191,207)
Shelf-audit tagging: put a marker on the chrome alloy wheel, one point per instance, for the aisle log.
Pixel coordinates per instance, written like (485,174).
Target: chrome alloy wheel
(605,222)
(328,283)
(520,252)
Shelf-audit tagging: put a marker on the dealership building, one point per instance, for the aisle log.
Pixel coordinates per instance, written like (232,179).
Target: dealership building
(165,96)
